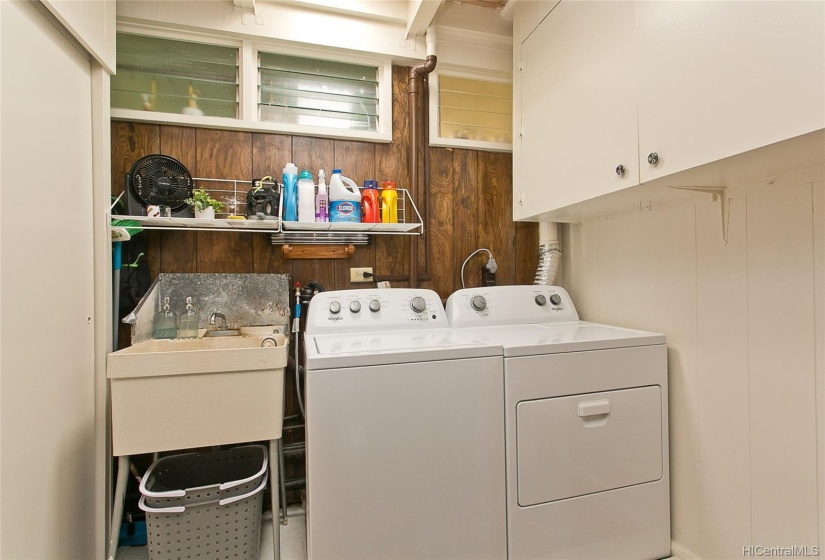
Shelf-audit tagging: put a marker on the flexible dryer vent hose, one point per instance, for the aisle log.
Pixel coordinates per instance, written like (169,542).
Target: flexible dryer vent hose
(549,260)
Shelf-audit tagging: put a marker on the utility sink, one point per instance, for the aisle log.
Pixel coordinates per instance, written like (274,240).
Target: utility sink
(185,393)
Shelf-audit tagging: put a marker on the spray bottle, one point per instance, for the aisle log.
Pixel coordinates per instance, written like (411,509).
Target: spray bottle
(321,199)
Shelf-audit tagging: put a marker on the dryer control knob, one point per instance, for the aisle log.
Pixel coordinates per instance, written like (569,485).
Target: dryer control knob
(375,305)
(418,304)
(334,307)
(541,300)
(555,299)
(355,306)
(479,303)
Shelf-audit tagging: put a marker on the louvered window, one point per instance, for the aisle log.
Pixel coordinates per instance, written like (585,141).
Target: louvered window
(320,93)
(475,110)
(168,76)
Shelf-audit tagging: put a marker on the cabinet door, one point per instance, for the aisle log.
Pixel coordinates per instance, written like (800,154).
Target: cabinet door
(578,118)
(720,78)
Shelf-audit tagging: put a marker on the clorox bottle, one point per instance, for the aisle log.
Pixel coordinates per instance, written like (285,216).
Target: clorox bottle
(344,199)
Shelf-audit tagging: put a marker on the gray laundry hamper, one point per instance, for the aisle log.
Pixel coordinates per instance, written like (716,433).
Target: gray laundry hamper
(205,505)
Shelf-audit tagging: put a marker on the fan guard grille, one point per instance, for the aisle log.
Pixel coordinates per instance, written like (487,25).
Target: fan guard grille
(160,180)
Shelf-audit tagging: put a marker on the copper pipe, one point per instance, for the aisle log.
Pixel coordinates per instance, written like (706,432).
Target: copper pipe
(425,108)
(416,75)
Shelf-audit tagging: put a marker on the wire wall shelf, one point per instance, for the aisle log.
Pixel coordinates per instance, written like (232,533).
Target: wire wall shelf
(232,193)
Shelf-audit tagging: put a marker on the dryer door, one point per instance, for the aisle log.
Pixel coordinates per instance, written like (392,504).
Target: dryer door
(582,444)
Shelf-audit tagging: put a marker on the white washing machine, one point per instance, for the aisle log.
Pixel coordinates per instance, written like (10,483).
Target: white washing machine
(405,431)
(586,414)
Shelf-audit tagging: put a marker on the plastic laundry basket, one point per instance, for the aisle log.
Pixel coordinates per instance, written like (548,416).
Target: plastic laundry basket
(194,478)
(217,515)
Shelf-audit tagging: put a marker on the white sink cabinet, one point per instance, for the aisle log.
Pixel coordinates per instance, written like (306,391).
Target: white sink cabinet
(658,88)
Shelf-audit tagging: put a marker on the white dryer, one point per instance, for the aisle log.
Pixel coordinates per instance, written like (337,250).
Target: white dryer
(586,414)
(405,431)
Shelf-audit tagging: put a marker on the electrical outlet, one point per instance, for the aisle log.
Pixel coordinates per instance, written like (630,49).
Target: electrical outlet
(360,274)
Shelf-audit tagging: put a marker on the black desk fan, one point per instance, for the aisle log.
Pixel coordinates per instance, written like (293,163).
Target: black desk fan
(158,180)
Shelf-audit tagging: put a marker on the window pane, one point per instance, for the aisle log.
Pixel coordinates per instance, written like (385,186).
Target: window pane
(475,109)
(318,84)
(304,91)
(169,76)
(476,133)
(310,100)
(319,67)
(306,117)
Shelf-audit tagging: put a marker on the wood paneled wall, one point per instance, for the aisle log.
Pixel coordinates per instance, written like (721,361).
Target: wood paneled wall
(470,203)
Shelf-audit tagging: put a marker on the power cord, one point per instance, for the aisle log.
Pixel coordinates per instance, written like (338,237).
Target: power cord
(490,266)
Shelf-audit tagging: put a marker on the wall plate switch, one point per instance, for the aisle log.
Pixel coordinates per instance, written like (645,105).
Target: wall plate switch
(360,274)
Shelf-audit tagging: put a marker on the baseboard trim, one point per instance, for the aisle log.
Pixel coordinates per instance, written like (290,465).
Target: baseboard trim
(682,552)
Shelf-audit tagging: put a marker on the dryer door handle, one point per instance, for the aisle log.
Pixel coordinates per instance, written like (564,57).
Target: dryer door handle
(594,408)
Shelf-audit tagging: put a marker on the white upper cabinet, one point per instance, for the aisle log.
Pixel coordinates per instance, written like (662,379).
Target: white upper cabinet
(721,78)
(92,23)
(682,84)
(578,106)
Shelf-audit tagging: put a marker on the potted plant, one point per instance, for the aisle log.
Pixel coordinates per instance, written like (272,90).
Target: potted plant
(205,206)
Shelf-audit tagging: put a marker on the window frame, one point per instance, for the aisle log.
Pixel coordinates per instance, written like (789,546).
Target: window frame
(435,133)
(247,119)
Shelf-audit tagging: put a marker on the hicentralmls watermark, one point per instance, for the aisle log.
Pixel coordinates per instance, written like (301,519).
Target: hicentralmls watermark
(780,551)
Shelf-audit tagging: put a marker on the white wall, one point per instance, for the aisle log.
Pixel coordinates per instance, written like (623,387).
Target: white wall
(48,489)
(746,351)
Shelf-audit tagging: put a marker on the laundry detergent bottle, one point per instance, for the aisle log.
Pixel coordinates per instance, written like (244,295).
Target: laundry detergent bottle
(306,197)
(290,197)
(389,203)
(344,199)
(370,212)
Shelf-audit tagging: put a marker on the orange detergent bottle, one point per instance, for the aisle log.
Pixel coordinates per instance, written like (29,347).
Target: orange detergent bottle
(369,203)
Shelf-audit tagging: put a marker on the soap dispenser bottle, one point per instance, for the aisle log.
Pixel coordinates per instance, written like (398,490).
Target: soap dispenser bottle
(166,324)
(188,323)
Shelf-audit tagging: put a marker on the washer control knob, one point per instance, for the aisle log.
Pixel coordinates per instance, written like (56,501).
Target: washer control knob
(375,305)
(541,300)
(479,303)
(355,306)
(555,299)
(334,307)
(418,304)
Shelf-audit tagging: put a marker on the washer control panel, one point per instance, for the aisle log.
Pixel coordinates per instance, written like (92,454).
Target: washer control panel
(375,309)
(509,305)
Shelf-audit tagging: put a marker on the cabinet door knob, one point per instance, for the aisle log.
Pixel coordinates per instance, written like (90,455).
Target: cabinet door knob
(620,170)
(653,158)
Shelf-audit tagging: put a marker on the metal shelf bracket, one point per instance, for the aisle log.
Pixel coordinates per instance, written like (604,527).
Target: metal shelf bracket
(720,196)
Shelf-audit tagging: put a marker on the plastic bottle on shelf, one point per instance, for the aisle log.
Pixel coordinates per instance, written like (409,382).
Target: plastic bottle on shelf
(321,199)
(166,322)
(188,322)
(306,197)
(370,210)
(290,197)
(389,203)
(344,199)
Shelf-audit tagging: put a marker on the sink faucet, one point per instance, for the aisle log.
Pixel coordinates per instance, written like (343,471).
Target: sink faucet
(215,316)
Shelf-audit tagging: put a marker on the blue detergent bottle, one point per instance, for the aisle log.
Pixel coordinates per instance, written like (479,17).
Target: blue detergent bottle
(290,198)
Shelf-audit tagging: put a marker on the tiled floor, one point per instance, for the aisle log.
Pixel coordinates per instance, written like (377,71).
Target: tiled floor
(293,540)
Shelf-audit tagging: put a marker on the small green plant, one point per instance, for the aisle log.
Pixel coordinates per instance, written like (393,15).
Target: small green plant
(201,200)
